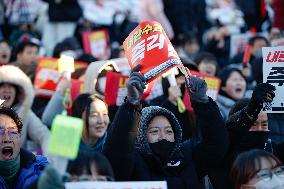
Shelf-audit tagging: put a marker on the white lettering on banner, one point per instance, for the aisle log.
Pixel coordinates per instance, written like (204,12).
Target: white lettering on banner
(49,74)
(138,51)
(162,67)
(273,73)
(116,185)
(153,42)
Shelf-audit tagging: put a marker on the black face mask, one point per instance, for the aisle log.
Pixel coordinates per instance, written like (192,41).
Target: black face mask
(255,139)
(162,149)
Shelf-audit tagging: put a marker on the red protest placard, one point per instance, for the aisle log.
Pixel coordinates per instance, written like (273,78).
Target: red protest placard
(77,87)
(213,87)
(116,91)
(97,44)
(213,84)
(47,76)
(149,46)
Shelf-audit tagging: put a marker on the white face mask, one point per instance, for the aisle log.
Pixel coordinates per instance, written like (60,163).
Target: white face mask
(275,182)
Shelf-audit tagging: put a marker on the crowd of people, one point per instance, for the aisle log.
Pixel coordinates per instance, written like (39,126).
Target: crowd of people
(225,143)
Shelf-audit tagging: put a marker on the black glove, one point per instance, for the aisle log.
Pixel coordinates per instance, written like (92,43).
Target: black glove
(263,92)
(197,89)
(135,86)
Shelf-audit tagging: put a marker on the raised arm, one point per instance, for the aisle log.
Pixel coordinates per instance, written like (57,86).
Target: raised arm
(55,105)
(119,145)
(214,143)
(240,122)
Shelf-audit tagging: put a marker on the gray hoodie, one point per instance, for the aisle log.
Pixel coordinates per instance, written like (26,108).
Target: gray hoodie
(148,113)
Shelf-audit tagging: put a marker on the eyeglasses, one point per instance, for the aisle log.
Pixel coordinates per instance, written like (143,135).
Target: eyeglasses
(266,174)
(11,132)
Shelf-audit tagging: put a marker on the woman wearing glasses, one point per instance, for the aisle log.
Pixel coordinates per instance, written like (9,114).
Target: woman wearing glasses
(257,169)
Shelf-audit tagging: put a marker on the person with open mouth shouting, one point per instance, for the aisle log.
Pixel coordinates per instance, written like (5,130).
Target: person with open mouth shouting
(5,52)
(233,88)
(17,91)
(19,168)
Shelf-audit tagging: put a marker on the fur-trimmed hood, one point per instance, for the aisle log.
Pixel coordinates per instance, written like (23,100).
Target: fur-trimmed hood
(13,75)
(148,114)
(92,73)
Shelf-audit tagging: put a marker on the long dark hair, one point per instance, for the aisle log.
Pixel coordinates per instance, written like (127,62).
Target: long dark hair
(81,104)
(248,164)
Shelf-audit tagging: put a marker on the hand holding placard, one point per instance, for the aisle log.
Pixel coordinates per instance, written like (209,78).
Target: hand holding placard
(262,93)
(197,89)
(135,86)
(149,46)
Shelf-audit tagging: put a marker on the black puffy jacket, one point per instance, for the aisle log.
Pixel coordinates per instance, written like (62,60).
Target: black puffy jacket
(133,160)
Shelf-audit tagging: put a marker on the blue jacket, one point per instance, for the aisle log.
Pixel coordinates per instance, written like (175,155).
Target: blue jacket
(30,170)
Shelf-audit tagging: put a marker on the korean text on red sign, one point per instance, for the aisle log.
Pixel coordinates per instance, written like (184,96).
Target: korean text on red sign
(149,46)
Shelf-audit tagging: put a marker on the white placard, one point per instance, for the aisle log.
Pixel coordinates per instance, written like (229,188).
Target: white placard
(273,73)
(116,185)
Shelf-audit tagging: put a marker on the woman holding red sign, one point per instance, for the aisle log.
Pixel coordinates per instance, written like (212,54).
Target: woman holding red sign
(158,153)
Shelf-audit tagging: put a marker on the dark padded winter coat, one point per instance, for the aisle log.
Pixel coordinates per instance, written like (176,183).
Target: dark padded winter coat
(238,127)
(188,163)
